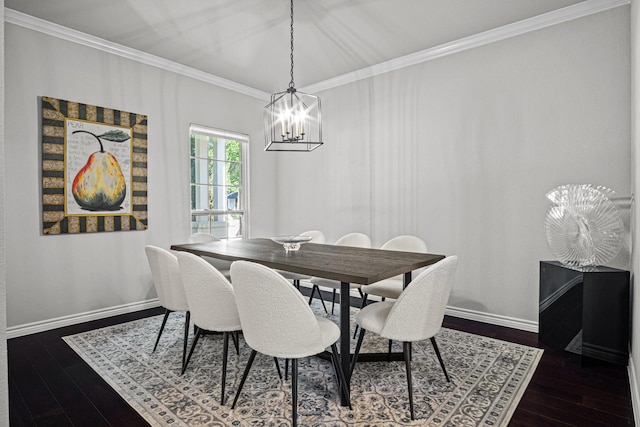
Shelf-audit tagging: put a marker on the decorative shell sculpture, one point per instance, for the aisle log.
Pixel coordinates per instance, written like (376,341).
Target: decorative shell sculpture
(583,225)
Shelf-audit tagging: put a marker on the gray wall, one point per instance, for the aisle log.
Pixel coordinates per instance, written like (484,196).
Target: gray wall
(4,381)
(53,276)
(459,150)
(462,150)
(634,368)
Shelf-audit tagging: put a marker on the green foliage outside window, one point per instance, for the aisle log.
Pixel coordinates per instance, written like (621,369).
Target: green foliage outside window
(217,184)
(234,171)
(232,164)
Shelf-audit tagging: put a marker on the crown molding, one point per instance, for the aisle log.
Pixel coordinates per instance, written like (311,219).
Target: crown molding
(569,13)
(27,21)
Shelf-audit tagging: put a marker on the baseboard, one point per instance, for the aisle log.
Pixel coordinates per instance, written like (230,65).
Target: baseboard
(463,313)
(59,322)
(635,394)
(493,319)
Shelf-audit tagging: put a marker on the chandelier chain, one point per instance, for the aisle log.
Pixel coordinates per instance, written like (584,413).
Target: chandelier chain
(291,84)
(292,119)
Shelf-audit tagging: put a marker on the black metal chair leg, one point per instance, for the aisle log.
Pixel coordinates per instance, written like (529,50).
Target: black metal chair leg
(186,337)
(389,353)
(313,291)
(244,377)
(225,352)
(342,382)
(275,359)
(407,362)
(333,300)
(164,322)
(286,369)
(198,332)
(296,283)
(435,347)
(294,392)
(357,352)
(363,304)
(365,301)
(234,337)
(322,300)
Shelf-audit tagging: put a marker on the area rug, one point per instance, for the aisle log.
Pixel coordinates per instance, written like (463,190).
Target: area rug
(488,378)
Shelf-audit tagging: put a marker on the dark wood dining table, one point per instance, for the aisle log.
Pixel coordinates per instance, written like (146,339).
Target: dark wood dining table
(344,264)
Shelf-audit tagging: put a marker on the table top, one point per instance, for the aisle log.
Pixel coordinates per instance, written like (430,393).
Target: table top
(342,263)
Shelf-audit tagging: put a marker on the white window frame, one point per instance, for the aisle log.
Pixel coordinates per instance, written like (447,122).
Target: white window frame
(243,194)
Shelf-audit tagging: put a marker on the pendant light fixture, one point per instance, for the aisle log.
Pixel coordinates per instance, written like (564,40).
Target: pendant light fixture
(292,120)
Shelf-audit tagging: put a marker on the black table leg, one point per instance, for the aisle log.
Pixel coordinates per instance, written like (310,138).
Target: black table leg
(407,280)
(345,341)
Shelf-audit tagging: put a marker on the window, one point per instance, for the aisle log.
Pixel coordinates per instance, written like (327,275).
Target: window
(218,182)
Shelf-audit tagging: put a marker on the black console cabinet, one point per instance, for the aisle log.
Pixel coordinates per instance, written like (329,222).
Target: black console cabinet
(585,312)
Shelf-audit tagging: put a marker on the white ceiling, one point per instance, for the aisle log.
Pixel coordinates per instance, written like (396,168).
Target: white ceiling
(247,41)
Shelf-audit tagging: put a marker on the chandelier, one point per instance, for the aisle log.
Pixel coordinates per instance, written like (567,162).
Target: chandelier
(292,120)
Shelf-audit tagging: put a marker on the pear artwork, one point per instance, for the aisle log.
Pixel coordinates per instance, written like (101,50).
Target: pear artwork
(100,184)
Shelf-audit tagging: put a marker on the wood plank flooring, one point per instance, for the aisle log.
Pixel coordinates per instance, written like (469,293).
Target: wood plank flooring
(49,385)
(563,392)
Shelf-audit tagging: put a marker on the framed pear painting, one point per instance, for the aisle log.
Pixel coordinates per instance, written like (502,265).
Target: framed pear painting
(94,168)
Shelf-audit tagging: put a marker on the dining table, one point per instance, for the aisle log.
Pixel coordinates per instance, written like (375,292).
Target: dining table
(345,264)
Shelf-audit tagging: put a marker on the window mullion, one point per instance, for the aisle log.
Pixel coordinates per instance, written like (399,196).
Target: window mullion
(220,188)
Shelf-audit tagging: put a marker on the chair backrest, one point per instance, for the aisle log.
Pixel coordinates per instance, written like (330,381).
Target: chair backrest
(358,240)
(276,319)
(166,278)
(202,238)
(316,236)
(405,243)
(210,295)
(418,312)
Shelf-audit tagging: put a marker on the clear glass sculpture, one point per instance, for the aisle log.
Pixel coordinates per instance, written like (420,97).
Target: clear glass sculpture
(291,243)
(583,225)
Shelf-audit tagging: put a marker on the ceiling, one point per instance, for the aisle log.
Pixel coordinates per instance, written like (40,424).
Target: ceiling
(247,41)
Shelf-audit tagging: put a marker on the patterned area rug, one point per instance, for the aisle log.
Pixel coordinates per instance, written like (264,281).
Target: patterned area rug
(488,378)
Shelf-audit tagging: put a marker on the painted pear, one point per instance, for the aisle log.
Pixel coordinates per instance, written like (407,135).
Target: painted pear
(100,184)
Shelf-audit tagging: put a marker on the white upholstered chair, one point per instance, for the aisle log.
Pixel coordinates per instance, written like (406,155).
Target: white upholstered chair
(392,287)
(212,304)
(416,315)
(221,265)
(277,321)
(168,283)
(352,239)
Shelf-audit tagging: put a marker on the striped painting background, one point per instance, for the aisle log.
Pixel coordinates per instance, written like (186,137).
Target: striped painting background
(54,221)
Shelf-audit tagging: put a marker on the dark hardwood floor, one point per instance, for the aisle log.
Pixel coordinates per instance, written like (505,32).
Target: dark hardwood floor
(563,392)
(49,385)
